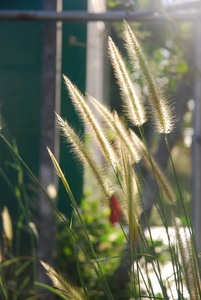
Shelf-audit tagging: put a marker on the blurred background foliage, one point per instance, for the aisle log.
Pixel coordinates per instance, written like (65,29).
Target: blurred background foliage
(169,51)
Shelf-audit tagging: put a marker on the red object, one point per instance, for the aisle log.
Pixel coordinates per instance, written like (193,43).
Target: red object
(114,205)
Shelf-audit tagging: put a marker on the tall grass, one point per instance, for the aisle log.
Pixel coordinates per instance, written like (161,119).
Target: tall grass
(121,173)
(17,272)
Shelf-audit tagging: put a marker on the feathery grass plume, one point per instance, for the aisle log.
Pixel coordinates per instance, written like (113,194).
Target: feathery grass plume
(189,263)
(163,117)
(85,113)
(114,123)
(162,180)
(64,287)
(84,156)
(134,109)
(130,201)
(7,224)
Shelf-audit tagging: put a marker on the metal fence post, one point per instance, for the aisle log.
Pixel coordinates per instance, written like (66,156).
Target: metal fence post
(51,90)
(196,159)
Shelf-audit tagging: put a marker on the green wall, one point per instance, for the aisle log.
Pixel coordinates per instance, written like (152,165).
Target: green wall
(20,94)
(73,66)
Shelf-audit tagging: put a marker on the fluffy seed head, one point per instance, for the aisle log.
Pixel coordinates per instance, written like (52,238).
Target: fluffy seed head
(132,106)
(85,113)
(114,123)
(83,155)
(7,224)
(64,287)
(163,117)
(130,196)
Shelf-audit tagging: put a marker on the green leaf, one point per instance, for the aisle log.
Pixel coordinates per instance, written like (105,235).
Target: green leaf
(182,67)
(113,3)
(23,267)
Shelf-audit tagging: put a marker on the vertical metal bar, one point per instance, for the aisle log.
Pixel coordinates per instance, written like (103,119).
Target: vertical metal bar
(59,31)
(51,86)
(95,61)
(95,53)
(196,159)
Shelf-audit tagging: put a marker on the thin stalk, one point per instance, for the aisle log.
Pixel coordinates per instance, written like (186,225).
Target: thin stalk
(28,219)
(179,267)
(133,281)
(49,288)
(163,215)
(25,211)
(143,238)
(120,223)
(139,229)
(188,220)
(155,180)
(145,215)
(69,192)
(147,250)
(176,178)
(119,182)
(80,273)
(138,274)
(149,281)
(4,292)
(19,226)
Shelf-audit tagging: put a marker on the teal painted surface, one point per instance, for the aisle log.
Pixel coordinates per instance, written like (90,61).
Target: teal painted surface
(20,97)
(20,93)
(73,66)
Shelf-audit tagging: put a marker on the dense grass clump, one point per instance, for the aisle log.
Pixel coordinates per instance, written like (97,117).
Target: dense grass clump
(120,174)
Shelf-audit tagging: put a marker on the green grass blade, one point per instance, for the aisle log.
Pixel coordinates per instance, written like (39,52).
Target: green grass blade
(4,292)
(80,273)
(51,289)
